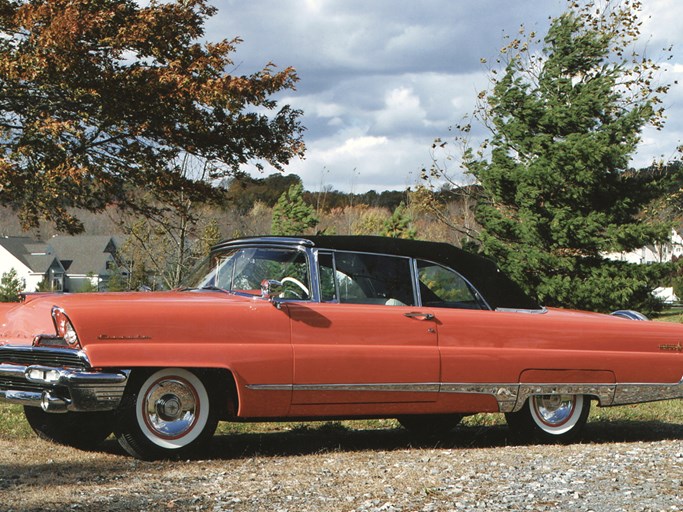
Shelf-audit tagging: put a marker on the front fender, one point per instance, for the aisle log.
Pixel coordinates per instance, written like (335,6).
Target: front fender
(249,364)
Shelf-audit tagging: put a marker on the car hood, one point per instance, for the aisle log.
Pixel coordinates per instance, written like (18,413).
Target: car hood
(130,316)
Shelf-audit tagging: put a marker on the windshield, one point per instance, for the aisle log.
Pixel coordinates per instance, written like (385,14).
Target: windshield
(243,270)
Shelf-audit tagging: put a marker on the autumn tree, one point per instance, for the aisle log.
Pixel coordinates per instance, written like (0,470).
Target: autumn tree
(169,240)
(210,236)
(565,116)
(99,98)
(291,214)
(368,221)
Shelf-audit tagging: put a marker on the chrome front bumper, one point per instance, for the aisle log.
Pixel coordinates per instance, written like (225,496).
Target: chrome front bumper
(57,388)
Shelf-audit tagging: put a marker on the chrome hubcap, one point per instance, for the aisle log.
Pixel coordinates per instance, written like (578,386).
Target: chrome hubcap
(168,407)
(554,410)
(171,408)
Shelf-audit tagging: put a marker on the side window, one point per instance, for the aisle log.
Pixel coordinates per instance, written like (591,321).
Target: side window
(441,287)
(366,279)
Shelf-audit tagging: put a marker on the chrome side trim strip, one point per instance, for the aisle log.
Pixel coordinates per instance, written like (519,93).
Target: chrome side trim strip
(505,394)
(269,387)
(425,387)
(511,397)
(646,392)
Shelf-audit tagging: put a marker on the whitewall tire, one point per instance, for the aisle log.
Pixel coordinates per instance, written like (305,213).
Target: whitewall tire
(550,418)
(167,413)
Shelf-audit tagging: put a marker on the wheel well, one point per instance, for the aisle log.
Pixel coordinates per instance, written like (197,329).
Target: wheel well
(220,385)
(222,389)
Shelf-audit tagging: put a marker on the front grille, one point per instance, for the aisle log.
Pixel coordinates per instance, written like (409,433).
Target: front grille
(59,358)
(20,384)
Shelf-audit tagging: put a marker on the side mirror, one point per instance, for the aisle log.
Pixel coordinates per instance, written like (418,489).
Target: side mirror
(270,288)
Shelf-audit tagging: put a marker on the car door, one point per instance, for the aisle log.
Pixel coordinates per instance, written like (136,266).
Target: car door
(473,341)
(366,342)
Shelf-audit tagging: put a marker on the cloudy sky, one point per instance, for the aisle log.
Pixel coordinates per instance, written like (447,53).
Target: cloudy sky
(381,79)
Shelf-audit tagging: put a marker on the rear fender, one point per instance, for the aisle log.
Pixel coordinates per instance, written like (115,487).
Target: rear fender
(599,384)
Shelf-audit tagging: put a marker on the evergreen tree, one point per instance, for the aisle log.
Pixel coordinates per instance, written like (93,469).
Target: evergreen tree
(91,285)
(565,118)
(45,285)
(11,286)
(399,225)
(291,214)
(116,280)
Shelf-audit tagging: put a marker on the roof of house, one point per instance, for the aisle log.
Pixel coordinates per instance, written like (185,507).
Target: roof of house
(84,254)
(37,256)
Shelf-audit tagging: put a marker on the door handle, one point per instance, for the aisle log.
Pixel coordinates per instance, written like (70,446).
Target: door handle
(419,315)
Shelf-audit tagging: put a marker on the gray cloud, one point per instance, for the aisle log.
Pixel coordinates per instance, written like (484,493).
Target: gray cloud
(381,79)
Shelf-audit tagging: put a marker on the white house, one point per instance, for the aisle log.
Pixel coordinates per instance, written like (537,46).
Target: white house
(67,263)
(33,261)
(658,253)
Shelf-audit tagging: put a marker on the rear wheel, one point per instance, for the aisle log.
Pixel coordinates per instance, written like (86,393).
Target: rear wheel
(430,424)
(166,414)
(550,418)
(83,430)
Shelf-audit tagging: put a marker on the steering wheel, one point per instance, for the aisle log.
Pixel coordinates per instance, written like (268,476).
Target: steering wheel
(301,285)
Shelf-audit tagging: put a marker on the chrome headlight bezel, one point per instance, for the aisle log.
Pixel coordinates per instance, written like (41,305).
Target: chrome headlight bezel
(65,328)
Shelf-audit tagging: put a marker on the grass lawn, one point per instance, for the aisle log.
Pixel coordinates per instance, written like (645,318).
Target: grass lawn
(671,315)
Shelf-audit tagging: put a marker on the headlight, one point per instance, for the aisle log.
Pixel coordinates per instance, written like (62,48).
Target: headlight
(64,327)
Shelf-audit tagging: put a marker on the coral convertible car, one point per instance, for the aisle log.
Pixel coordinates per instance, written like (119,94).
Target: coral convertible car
(319,328)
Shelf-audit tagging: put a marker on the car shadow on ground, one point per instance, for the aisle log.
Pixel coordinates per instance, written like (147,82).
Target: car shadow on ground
(334,437)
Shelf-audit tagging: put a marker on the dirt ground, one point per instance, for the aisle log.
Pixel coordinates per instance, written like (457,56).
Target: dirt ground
(615,466)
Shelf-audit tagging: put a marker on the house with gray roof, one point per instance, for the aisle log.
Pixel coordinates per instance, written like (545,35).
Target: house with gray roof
(34,262)
(66,263)
(87,259)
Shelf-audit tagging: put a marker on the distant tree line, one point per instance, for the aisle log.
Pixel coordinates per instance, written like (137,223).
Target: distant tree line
(244,191)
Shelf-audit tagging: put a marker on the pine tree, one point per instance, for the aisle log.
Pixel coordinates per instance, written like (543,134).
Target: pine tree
(399,225)
(291,214)
(565,119)
(11,286)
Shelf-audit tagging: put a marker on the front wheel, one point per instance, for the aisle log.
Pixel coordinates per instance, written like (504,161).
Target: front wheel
(82,430)
(550,418)
(166,414)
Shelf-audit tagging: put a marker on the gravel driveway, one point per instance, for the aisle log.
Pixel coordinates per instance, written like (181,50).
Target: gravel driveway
(373,470)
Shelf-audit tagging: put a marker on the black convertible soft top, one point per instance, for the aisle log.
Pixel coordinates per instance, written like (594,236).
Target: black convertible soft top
(498,289)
